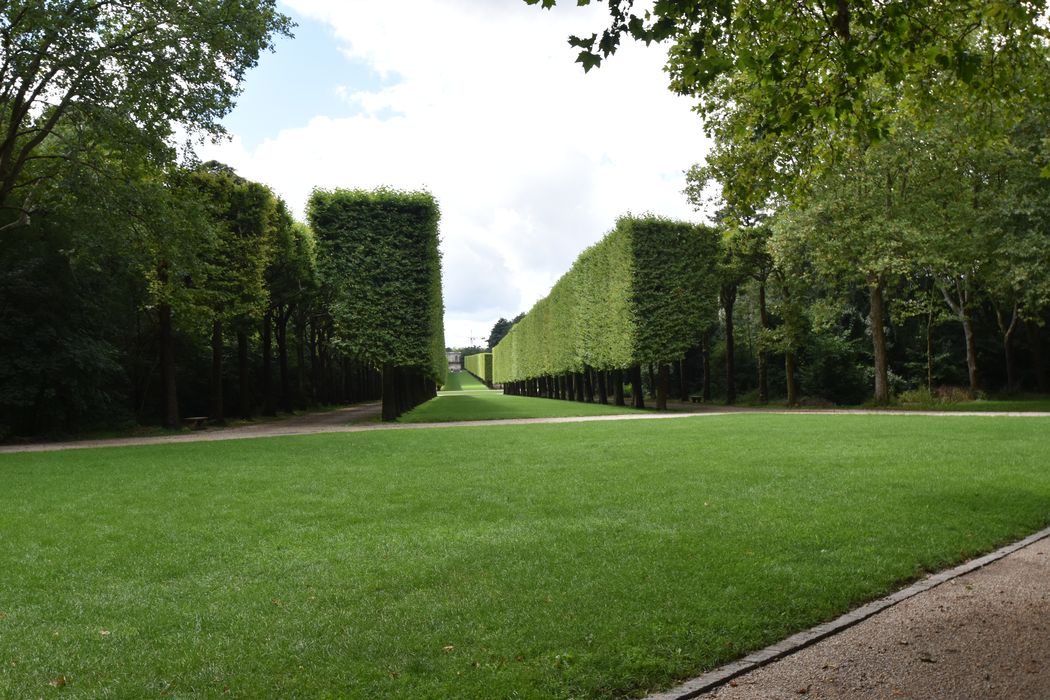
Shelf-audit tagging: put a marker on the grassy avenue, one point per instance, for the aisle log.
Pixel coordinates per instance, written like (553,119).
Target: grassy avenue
(583,560)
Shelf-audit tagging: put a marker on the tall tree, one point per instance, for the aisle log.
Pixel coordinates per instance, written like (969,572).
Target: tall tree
(161,62)
(811,66)
(732,271)
(290,279)
(244,212)
(862,225)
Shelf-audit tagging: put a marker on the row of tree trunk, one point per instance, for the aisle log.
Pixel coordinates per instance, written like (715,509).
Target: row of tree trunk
(601,386)
(404,388)
(329,379)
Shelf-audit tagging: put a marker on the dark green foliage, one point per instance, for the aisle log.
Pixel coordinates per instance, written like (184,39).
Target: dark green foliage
(120,268)
(379,252)
(644,294)
(59,362)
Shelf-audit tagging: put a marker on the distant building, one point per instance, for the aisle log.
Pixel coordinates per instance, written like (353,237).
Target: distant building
(455,361)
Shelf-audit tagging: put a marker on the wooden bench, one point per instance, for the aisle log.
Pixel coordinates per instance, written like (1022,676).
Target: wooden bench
(195,422)
(696,398)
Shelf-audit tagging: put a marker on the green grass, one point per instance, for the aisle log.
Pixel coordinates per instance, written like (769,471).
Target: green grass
(493,405)
(462,381)
(1033,405)
(584,560)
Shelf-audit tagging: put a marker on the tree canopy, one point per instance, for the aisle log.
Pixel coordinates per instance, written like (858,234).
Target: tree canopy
(154,63)
(817,62)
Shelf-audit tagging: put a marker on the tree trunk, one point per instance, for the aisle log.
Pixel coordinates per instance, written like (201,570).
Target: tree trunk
(282,361)
(971,355)
(728,296)
(638,401)
(603,386)
(652,381)
(961,306)
(1007,330)
(244,391)
(169,390)
(390,389)
(588,385)
(705,366)
(1035,347)
(217,410)
(300,364)
(618,387)
(789,374)
(877,317)
(929,351)
(763,354)
(269,402)
(662,387)
(315,366)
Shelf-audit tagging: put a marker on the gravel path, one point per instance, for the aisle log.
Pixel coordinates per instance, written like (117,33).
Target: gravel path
(985,634)
(361,417)
(341,419)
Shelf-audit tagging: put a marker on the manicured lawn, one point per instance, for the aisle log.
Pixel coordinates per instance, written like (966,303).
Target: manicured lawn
(583,560)
(462,381)
(495,405)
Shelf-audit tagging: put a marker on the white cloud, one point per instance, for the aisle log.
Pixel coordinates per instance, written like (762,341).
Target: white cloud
(530,159)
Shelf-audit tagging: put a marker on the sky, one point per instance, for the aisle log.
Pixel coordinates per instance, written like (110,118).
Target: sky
(479,102)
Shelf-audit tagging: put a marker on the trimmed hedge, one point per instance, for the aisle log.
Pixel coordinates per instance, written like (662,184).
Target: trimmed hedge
(480,365)
(378,250)
(643,294)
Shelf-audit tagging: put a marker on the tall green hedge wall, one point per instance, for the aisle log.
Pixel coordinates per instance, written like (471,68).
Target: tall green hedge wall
(642,294)
(480,366)
(379,251)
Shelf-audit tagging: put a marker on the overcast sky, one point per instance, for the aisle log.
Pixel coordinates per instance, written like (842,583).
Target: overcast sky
(481,103)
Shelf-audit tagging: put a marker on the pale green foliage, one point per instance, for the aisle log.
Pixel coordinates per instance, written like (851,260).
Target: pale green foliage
(783,85)
(643,294)
(480,365)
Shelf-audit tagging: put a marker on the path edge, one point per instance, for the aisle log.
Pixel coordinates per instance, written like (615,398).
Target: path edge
(799,641)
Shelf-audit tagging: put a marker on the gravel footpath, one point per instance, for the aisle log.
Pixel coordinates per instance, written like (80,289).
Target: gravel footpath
(985,634)
(362,417)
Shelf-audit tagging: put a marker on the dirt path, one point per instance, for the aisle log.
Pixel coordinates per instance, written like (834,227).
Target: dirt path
(340,419)
(362,417)
(983,634)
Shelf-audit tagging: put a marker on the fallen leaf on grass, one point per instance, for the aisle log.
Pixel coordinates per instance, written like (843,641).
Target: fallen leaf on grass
(59,682)
(104,633)
(448,648)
